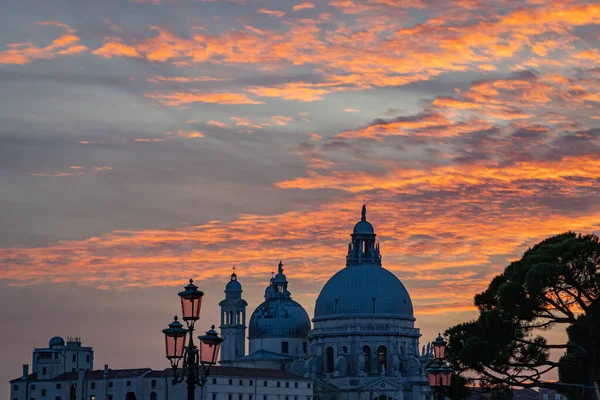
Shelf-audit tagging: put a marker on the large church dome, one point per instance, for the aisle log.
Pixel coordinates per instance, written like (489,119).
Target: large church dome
(279,316)
(364,288)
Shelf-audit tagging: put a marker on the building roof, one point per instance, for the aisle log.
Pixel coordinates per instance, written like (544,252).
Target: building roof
(237,372)
(91,375)
(264,355)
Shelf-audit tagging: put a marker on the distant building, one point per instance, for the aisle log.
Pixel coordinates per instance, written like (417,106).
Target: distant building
(224,383)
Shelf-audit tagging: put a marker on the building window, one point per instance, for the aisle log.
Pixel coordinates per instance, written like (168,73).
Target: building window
(128,383)
(93,385)
(265,383)
(231,381)
(74,357)
(296,385)
(153,396)
(73,369)
(153,383)
(32,387)
(329,359)
(285,347)
(43,392)
(367,358)
(110,397)
(308,385)
(241,382)
(58,385)
(381,358)
(265,397)
(44,371)
(110,384)
(32,398)
(251,383)
(59,398)
(16,387)
(304,347)
(249,397)
(287,398)
(287,384)
(214,381)
(241,397)
(278,384)
(230,397)
(214,396)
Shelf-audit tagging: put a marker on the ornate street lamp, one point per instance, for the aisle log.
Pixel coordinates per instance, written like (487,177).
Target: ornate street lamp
(439,347)
(439,373)
(193,358)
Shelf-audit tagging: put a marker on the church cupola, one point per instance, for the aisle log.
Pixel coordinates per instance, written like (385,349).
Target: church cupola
(363,249)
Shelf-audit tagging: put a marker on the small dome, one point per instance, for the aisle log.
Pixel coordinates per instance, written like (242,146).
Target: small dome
(56,341)
(363,291)
(363,227)
(233,285)
(279,317)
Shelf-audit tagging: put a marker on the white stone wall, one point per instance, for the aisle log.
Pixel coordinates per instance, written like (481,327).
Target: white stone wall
(217,387)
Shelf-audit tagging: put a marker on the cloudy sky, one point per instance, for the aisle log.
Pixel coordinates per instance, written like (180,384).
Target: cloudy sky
(145,142)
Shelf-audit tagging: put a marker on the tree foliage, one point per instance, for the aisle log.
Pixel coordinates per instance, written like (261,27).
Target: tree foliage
(555,282)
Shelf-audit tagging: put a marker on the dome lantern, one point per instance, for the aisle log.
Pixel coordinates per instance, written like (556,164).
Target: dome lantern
(363,249)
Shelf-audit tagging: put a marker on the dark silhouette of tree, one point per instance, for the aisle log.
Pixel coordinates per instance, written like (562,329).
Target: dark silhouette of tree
(555,282)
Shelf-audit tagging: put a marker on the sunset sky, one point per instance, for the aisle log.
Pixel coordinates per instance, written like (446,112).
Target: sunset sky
(146,142)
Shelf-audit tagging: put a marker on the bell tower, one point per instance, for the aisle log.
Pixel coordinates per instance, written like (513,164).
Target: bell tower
(233,322)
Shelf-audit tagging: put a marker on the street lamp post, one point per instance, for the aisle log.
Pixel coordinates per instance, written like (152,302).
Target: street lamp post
(439,373)
(192,356)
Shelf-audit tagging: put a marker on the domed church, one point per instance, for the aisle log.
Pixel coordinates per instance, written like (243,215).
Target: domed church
(363,344)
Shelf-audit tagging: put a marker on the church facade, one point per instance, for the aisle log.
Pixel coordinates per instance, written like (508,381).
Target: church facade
(363,345)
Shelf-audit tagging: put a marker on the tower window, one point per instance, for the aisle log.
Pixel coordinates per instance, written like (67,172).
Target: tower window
(87,358)
(304,347)
(44,371)
(285,347)
(93,385)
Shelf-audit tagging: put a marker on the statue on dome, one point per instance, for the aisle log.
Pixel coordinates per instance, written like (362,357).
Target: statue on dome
(363,214)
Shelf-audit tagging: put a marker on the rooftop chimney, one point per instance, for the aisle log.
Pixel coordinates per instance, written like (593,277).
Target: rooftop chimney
(106,370)
(25,371)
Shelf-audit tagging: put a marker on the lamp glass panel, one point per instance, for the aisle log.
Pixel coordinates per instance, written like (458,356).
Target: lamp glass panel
(446,376)
(433,379)
(209,353)
(439,351)
(175,345)
(190,307)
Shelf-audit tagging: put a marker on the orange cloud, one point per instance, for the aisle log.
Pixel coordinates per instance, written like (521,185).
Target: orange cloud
(303,6)
(276,13)
(116,48)
(184,98)
(26,52)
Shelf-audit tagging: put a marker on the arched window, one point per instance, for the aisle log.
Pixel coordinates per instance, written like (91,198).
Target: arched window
(153,396)
(381,358)
(231,321)
(367,358)
(329,354)
(130,396)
